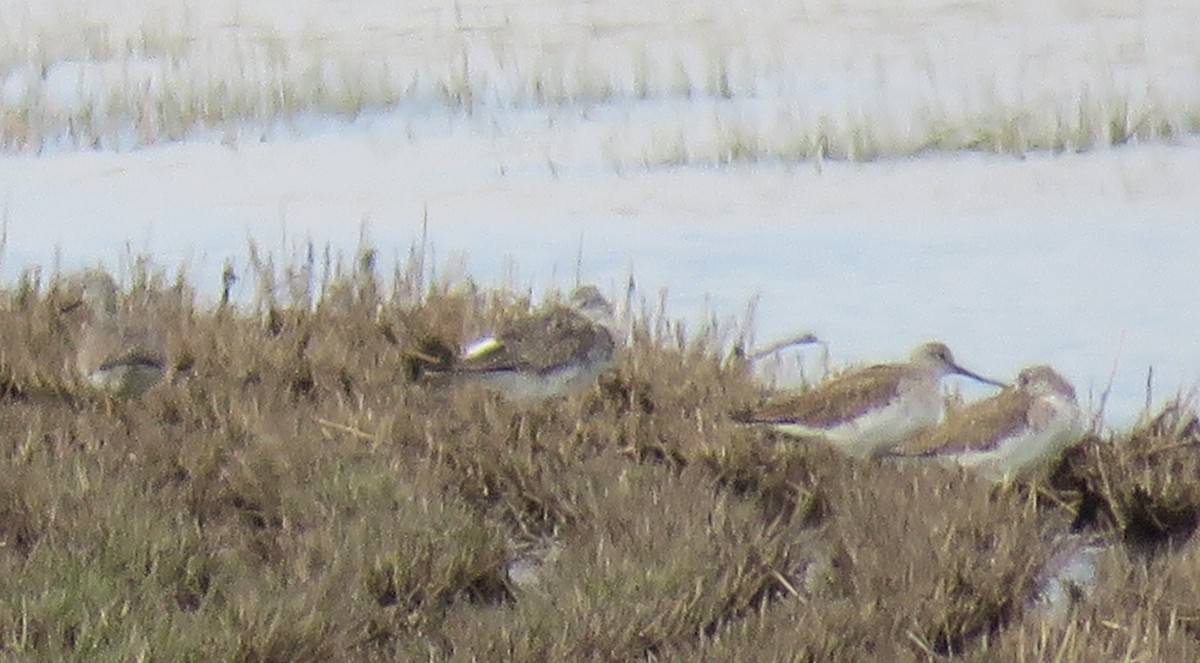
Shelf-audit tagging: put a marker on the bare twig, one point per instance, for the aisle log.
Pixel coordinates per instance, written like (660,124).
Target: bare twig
(1112,376)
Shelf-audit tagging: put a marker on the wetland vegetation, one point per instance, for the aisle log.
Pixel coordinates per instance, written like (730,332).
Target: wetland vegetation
(291,493)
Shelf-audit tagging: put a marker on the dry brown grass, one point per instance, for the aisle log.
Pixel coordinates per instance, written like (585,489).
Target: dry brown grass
(291,494)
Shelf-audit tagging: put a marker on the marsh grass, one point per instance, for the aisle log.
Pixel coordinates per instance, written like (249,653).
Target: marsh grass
(767,82)
(290,493)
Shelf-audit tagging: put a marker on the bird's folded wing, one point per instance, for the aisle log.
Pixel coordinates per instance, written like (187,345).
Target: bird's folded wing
(134,359)
(977,427)
(537,344)
(840,399)
(107,346)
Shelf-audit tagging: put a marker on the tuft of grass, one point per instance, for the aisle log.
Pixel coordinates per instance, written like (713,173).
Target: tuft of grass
(1142,483)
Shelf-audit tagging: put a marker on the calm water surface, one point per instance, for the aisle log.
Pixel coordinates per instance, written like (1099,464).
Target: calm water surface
(1079,283)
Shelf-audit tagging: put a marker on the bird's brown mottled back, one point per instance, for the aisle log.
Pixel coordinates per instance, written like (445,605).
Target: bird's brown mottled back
(976,427)
(841,399)
(541,343)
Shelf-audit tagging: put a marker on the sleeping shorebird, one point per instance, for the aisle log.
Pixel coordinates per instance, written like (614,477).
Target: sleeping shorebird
(1009,433)
(549,354)
(869,410)
(116,356)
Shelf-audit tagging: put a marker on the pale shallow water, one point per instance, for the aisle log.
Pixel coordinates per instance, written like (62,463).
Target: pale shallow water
(868,76)
(1073,260)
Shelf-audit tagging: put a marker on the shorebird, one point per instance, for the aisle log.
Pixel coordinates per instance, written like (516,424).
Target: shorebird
(115,355)
(1009,433)
(869,410)
(557,352)
(1070,575)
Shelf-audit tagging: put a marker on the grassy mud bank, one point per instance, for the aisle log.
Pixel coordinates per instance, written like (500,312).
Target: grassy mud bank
(291,492)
